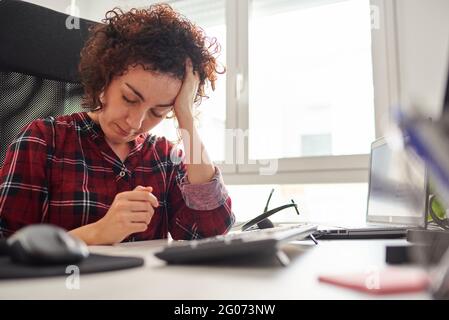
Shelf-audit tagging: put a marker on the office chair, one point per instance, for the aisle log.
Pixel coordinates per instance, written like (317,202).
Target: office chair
(39,58)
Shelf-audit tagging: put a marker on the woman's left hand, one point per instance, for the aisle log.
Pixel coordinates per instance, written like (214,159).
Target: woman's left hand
(186,96)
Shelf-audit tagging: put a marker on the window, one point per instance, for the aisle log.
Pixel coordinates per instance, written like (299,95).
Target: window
(310,79)
(299,82)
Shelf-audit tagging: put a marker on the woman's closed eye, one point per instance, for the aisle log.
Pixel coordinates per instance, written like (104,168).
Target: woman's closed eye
(128,100)
(160,112)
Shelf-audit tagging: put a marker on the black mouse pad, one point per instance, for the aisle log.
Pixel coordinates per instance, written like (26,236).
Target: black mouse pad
(93,263)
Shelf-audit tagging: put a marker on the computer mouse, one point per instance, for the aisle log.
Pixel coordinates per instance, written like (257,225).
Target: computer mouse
(265,224)
(45,244)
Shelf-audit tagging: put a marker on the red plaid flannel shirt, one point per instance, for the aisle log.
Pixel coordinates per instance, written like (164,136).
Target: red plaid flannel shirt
(62,171)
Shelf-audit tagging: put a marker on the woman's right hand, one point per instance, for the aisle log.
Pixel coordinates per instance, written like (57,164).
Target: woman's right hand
(130,212)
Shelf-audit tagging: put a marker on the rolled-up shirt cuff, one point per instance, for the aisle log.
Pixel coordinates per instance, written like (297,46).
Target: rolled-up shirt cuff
(204,196)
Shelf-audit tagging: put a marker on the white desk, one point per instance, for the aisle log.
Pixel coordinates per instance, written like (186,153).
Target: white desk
(156,280)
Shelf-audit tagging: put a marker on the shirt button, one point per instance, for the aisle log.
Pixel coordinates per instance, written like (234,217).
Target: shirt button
(122,174)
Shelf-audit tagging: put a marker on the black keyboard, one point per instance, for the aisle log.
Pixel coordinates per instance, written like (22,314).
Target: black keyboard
(246,244)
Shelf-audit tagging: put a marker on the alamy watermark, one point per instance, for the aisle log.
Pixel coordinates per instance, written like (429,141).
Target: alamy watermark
(72,282)
(372,280)
(236,142)
(375,17)
(73,20)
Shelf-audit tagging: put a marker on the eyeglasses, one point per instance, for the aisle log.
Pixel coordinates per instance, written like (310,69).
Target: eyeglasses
(266,213)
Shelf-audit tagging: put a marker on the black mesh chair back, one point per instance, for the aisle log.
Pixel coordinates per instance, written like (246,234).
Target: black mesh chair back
(39,56)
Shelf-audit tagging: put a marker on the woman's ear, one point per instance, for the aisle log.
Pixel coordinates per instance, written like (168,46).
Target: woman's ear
(101,97)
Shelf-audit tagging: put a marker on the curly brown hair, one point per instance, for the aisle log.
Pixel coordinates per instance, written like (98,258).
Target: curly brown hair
(158,38)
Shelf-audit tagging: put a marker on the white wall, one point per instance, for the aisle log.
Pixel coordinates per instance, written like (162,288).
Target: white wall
(88,9)
(96,10)
(423,52)
(57,5)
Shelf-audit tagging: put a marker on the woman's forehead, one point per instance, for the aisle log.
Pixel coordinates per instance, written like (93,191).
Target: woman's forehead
(145,81)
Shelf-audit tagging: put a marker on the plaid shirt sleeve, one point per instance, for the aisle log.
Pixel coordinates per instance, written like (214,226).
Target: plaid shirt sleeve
(205,196)
(198,210)
(23,181)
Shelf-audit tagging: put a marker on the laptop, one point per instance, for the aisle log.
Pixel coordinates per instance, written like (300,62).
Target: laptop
(397,199)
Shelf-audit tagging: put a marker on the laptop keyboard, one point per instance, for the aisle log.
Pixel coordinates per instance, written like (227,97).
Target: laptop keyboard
(232,245)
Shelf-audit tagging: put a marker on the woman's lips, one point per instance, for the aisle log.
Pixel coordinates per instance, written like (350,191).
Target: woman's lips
(123,132)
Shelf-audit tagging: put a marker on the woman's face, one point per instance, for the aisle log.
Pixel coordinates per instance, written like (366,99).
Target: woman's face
(135,103)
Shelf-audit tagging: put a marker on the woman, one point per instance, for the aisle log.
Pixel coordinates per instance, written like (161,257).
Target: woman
(100,174)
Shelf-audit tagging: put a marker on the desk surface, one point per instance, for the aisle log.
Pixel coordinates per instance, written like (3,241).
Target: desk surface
(156,280)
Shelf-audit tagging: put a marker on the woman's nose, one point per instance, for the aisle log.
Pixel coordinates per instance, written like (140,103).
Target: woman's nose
(134,119)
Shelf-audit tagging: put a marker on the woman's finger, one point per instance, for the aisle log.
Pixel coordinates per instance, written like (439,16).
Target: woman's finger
(140,217)
(142,195)
(140,206)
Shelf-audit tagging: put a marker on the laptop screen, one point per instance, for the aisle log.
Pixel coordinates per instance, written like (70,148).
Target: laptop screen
(397,190)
